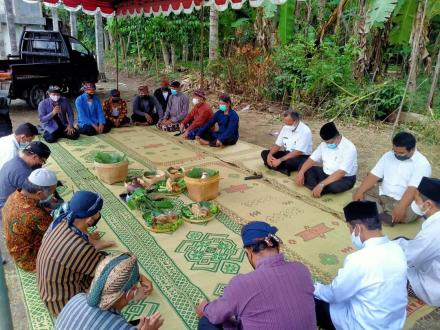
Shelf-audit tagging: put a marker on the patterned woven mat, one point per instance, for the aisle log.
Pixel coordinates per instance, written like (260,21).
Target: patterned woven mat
(198,260)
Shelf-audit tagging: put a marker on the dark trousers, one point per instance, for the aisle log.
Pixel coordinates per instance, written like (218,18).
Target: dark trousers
(204,324)
(90,131)
(208,136)
(60,133)
(109,124)
(316,174)
(323,318)
(289,165)
(141,119)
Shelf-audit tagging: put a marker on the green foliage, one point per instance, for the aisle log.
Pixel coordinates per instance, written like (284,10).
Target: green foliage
(380,11)
(109,157)
(403,21)
(286,23)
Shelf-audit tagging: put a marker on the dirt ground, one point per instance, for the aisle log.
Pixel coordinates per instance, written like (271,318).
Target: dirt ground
(255,127)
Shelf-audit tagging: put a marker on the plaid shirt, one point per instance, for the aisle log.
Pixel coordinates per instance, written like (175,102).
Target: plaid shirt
(108,107)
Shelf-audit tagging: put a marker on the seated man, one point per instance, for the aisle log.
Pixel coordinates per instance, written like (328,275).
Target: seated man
(199,116)
(10,144)
(91,119)
(68,255)
(56,117)
(227,120)
(115,110)
(17,170)
(146,109)
(338,156)
(113,287)
(163,93)
(369,292)
(278,294)
(26,219)
(399,172)
(295,139)
(423,252)
(177,109)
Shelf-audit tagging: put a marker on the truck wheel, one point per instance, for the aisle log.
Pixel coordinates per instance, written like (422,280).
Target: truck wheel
(36,95)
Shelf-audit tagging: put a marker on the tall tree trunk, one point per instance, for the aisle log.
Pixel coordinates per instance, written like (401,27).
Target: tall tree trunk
(434,84)
(99,45)
(55,25)
(173,56)
(361,62)
(72,21)
(185,49)
(379,44)
(339,14)
(213,33)
(165,53)
(321,10)
(415,46)
(10,22)
(106,40)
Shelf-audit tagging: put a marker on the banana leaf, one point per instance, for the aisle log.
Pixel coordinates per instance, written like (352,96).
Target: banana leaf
(109,157)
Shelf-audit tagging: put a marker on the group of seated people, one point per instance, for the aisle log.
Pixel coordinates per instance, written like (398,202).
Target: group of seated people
(332,167)
(168,108)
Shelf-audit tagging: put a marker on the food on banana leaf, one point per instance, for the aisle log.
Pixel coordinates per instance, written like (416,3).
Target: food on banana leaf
(199,211)
(170,186)
(162,220)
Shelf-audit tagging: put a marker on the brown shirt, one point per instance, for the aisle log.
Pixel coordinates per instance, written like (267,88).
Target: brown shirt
(66,264)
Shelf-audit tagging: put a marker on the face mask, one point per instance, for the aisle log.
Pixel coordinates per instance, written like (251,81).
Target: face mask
(116,99)
(402,158)
(356,240)
(96,221)
(115,112)
(47,199)
(90,94)
(332,145)
(418,209)
(174,92)
(22,145)
(54,98)
(195,101)
(223,107)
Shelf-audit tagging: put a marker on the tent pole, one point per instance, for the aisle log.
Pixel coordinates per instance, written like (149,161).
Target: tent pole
(202,73)
(117,53)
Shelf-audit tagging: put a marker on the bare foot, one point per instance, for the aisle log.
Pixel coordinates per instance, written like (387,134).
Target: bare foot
(203,142)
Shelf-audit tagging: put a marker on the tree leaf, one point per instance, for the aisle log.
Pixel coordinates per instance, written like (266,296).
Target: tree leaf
(403,21)
(380,11)
(287,18)
(270,9)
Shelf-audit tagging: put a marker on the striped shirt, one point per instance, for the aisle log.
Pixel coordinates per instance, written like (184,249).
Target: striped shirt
(77,314)
(65,266)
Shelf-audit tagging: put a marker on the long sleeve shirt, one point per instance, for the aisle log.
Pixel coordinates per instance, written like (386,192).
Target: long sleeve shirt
(47,120)
(9,147)
(177,107)
(277,295)
(121,109)
(227,126)
(199,116)
(423,258)
(148,105)
(369,292)
(162,95)
(93,115)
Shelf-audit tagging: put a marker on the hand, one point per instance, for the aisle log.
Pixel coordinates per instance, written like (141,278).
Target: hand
(101,244)
(358,196)
(182,127)
(317,191)
(300,179)
(148,118)
(94,236)
(276,162)
(146,284)
(197,138)
(96,127)
(153,322)
(100,128)
(185,135)
(200,307)
(398,214)
(219,144)
(69,130)
(117,123)
(56,110)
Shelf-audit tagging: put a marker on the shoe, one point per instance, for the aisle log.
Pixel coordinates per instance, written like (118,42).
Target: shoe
(387,219)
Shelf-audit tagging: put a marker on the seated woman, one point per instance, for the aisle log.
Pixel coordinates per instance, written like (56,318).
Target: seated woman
(198,117)
(115,110)
(227,120)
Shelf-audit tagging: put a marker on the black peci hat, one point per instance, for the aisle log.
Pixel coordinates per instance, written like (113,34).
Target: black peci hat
(360,210)
(430,188)
(328,131)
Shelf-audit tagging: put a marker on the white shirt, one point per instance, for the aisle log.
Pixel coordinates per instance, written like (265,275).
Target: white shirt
(299,138)
(9,148)
(343,157)
(423,258)
(369,292)
(398,175)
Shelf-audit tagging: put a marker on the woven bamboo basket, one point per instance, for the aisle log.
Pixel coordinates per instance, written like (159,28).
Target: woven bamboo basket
(202,189)
(112,173)
(149,180)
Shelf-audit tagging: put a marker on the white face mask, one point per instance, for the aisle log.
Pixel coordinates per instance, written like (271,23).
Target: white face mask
(115,112)
(54,98)
(195,100)
(418,209)
(356,240)
(165,94)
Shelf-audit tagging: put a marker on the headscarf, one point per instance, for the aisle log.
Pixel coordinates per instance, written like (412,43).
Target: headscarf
(256,231)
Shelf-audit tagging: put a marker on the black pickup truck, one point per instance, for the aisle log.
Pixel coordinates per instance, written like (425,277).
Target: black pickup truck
(46,58)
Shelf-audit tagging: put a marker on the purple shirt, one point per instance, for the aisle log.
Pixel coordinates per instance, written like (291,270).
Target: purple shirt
(177,107)
(46,118)
(277,295)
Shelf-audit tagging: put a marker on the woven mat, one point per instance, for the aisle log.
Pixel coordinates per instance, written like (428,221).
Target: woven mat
(198,260)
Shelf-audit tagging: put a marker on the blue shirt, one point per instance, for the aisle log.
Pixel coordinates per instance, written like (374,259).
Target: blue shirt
(77,314)
(12,176)
(227,126)
(89,116)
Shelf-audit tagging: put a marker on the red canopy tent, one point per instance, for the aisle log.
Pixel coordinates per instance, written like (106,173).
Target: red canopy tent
(109,8)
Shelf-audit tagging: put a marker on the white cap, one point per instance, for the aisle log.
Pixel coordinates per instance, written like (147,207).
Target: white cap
(43,177)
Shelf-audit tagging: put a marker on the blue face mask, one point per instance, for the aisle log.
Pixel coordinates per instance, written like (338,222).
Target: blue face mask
(174,92)
(223,107)
(22,145)
(356,240)
(332,145)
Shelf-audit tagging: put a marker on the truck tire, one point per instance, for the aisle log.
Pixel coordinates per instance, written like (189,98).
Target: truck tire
(36,95)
